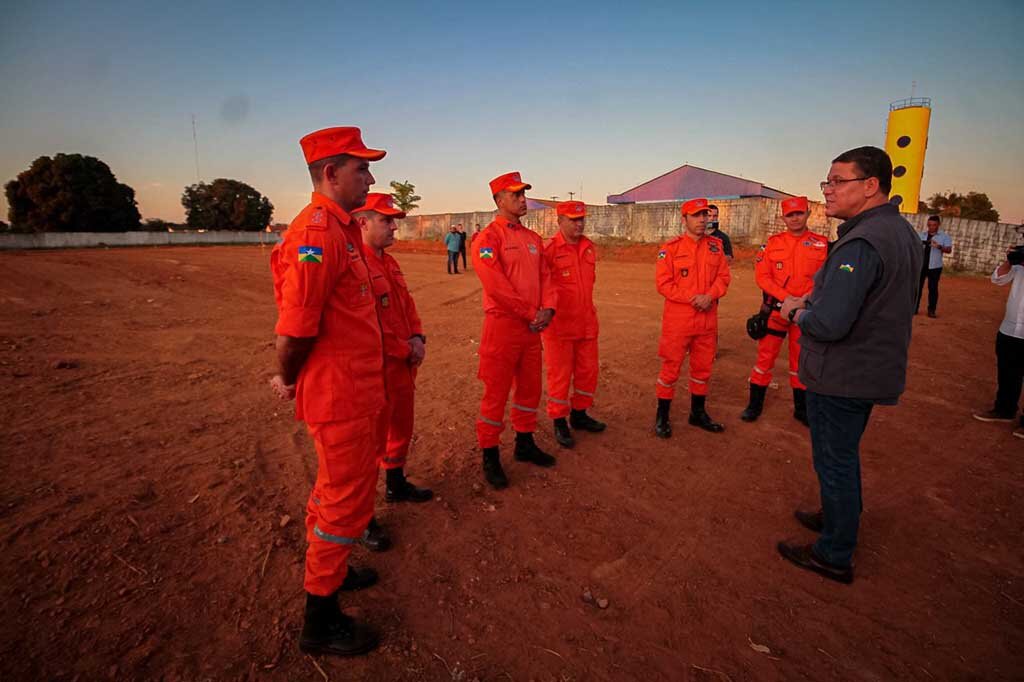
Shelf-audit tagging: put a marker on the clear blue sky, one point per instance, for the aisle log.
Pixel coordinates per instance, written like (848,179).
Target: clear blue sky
(590,96)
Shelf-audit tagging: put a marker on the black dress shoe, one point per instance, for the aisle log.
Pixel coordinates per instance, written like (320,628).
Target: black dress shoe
(804,557)
(407,492)
(326,630)
(581,421)
(375,538)
(527,451)
(814,521)
(704,421)
(360,579)
(493,471)
(563,435)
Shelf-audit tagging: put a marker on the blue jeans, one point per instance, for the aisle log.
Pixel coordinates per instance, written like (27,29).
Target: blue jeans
(453,262)
(837,425)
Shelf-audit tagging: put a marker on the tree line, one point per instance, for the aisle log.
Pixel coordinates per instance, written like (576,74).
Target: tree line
(78,193)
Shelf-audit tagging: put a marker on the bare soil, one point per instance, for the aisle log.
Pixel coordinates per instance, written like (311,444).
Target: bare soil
(148,474)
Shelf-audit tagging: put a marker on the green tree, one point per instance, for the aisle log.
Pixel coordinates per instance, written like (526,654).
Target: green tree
(403,194)
(70,193)
(226,205)
(970,206)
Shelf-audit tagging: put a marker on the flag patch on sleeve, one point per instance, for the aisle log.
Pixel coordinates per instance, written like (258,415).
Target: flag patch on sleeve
(661,255)
(846,267)
(486,252)
(311,254)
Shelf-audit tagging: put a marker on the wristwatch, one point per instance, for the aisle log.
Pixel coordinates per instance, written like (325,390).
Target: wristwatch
(792,314)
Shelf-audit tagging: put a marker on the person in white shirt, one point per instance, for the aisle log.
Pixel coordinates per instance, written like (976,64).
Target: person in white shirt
(1010,342)
(936,244)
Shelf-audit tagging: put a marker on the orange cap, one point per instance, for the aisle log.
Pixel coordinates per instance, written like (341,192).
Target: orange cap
(333,141)
(571,209)
(695,206)
(794,205)
(381,203)
(513,182)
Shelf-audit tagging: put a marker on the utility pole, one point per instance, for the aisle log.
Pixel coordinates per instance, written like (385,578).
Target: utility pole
(195,146)
(554,198)
(571,195)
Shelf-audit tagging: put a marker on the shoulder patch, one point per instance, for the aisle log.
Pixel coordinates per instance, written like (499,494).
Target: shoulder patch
(486,253)
(311,254)
(662,254)
(846,267)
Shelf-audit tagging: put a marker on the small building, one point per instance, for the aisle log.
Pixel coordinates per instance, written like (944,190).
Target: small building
(690,182)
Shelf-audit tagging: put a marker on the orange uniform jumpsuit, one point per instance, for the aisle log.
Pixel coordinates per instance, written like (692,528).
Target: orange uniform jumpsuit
(785,266)
(323,290)
(570,342)
(508,260)
(685,268)
(399,322)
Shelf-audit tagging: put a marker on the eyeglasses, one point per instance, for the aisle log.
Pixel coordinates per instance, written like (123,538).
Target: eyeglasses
(835,182)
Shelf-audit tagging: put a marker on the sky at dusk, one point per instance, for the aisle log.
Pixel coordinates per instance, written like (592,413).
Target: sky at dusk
(592,98)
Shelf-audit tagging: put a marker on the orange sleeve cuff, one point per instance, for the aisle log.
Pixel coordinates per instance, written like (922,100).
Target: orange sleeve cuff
(298,322)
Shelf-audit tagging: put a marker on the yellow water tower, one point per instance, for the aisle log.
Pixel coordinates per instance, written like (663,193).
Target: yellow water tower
(906,141)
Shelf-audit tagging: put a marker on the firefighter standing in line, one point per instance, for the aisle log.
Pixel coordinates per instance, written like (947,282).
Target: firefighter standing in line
(570,343)
(692,274)
(404,351)
(785,267)
(330,359)
(519,303)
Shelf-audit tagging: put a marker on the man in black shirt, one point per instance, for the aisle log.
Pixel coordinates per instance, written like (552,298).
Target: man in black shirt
(855,326)
(714,231)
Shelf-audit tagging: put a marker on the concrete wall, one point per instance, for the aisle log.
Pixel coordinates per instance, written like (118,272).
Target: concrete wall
(71,240)
(977,246)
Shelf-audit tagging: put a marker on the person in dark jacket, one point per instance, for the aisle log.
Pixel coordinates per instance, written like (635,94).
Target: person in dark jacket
(855,327)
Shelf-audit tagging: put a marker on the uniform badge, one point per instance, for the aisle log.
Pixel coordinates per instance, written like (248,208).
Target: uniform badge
(532,248)
(385,301)
(311,254)
(565,273)
(661,255)
(350,247)
(713,248)
(684,272)
(363,288)
(807,243)
(846,267)
(318,217)
(778,266)
(486,253)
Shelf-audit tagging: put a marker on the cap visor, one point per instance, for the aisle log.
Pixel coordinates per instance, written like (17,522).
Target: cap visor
(574,216)
(369,154)
(789,213)
(518,187)
(394,212)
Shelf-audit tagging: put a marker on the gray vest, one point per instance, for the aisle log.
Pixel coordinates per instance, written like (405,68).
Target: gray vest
(870,362)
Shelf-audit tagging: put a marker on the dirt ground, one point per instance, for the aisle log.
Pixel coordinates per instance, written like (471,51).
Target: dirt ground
(144,493)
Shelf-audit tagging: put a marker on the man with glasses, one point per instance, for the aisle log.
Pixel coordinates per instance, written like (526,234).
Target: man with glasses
(855,331)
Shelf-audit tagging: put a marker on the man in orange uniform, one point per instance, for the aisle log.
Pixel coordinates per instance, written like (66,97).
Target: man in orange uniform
(404,351)
(570,343)
(519,303)
(692,274)
(785,267)
(330,358)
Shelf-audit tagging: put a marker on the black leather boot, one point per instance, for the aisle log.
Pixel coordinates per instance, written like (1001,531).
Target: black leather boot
(800,406)
(493,472)
(399,489)
(662,426)
(699,416)
(326,630)
(527,451)
(581,421)
(756,404)
(375,538)
(562,433)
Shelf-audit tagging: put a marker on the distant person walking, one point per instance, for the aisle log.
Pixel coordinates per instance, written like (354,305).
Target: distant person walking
(462,245)
(936,244)
(451,242)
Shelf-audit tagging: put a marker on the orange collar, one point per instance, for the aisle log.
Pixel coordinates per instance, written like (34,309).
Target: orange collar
(337,211)
(560,240)
(502,221)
